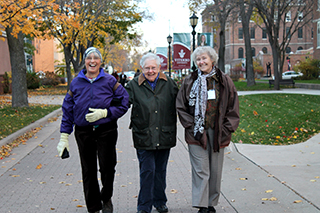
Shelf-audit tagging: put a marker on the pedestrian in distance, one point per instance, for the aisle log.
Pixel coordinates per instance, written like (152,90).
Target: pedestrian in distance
(93,105)
(122,78)
(208,109)
(153,124)
(137,73)
(114,73)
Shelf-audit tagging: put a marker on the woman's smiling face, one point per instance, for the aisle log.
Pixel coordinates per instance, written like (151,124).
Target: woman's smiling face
(204,63)
(93,63)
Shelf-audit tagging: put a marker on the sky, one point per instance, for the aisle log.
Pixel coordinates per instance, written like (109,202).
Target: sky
(170,16)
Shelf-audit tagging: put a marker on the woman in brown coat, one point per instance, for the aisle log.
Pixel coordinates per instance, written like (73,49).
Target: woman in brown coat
(208,109)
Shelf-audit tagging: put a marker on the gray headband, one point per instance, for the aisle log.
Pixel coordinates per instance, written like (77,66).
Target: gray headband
(92,50)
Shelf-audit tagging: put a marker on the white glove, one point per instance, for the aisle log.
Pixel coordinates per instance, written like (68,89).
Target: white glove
(96,114)
(64,143)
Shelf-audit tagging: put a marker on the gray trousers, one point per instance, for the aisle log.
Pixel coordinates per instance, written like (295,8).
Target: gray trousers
(206,173)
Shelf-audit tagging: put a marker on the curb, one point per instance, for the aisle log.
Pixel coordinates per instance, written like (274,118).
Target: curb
(38,123)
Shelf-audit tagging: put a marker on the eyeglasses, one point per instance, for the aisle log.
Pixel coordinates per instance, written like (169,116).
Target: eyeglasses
(95,58)
(146,69)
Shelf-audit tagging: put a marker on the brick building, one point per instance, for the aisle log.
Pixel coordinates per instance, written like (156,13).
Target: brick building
(301,44)
(5,59)
(316,26)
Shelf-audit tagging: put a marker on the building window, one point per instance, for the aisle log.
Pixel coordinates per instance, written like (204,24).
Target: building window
(264,50)
(240,33)
(300,16)
(240,52)
(264,33)
(288,50)
(288,32)
(300,32)
(288,17)
(300,48)
(253,52)
(318,35)
(252,33)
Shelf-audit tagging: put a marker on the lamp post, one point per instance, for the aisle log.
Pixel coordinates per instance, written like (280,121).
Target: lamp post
(193,23)
(169,39)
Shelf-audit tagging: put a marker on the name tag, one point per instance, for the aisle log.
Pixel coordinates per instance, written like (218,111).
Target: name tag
(211,94)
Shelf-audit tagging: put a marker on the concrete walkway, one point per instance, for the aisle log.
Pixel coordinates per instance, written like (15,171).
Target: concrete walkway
(256,178)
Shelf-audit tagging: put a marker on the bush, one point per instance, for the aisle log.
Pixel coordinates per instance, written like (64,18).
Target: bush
(6,82)
(235,73)
(33,81)
(310,69)
(51,79)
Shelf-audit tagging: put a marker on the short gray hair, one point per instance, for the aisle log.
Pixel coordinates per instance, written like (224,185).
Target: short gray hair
(150,56)
(205,49)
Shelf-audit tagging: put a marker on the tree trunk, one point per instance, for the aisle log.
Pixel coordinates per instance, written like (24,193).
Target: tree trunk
(67,56)
(275,55)
(18,69)
(221,61)
(245,17)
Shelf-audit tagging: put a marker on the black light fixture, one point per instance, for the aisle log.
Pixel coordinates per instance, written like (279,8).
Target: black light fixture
(193,23)
(169,39)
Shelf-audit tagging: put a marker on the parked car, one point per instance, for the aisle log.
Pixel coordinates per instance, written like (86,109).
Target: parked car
(130,75)
(291,74)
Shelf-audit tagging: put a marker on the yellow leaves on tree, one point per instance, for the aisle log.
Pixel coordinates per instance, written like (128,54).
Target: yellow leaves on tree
(22,15)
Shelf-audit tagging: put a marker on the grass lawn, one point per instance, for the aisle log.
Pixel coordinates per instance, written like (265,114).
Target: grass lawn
(13,119)
(277,119)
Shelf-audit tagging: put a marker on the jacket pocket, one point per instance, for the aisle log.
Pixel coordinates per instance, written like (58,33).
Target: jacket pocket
(225,136)
(168,135)
(141,138)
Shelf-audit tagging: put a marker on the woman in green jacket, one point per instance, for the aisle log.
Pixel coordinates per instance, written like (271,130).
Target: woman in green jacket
(153,122)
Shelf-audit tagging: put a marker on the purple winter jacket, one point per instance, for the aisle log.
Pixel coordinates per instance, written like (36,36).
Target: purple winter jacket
(97,94)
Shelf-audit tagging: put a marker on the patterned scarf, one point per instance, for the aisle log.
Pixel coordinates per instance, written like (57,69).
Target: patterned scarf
(198,99)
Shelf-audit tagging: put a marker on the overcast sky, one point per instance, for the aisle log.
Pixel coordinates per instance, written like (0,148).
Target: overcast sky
(170,16)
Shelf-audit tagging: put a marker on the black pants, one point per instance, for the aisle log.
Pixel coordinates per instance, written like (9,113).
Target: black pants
(92,143)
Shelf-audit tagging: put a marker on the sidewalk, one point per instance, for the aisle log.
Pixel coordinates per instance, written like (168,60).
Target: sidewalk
(35,179)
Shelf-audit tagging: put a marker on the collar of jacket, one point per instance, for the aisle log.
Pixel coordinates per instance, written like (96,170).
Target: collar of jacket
(83,72)
(141,78)
(219,75)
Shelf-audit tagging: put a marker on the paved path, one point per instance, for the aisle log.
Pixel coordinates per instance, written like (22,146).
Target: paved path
(256,178)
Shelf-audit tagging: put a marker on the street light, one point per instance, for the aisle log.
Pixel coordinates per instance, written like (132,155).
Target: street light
(193,23)
(169,39)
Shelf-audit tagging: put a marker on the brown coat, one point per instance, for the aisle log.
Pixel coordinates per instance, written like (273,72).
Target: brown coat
(227,118)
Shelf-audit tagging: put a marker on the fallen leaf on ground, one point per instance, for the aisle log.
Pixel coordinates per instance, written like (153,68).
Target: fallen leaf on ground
(173,191)
(39,166)
(297,201)
(269,191)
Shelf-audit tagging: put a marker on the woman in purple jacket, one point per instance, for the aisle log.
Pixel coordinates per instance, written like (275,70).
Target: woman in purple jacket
(93,105)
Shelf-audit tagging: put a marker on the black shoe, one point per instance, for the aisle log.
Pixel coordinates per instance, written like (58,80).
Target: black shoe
(162,208)
(211,209)
(203,210)
(142,211)
(95,212)
(107,207)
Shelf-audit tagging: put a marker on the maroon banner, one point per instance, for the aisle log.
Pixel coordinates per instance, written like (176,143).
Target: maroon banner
(163,61)
(181,51)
